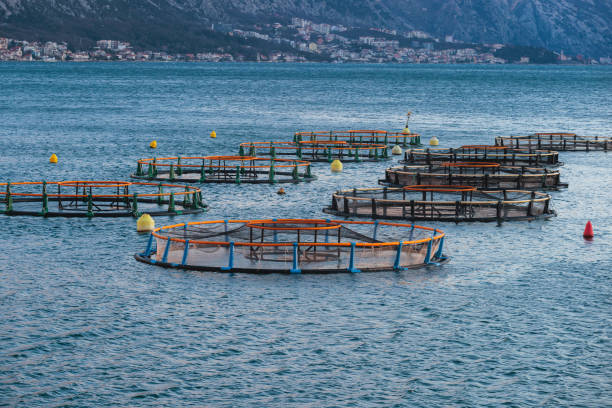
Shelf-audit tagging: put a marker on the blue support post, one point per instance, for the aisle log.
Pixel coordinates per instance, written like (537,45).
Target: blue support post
(165,257)
(296,264)
(275,233)
(439,255)
(428,254)
(351,267)
(398,255)
(225,222)
(411,233)
(230,264)
(147,251)
(375,230)
(428,260)
(185,252)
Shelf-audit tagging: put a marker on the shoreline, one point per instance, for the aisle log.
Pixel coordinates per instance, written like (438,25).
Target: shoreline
(307,62)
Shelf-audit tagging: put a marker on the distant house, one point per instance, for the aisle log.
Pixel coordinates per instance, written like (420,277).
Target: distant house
(113,45)
(80,56)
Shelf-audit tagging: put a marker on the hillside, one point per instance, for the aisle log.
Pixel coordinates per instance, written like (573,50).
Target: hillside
(575,26)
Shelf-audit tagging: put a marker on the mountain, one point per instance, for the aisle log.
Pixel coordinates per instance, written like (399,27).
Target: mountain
(574,26)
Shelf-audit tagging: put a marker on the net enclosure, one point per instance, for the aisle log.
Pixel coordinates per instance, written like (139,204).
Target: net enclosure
(441,203)
(556,141)
(317,151)
(294,246)
(98,199)
(361,136)
(224,169)
(483,153)
(482,175)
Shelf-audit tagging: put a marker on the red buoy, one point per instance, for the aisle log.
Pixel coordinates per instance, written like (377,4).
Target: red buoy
(588,231)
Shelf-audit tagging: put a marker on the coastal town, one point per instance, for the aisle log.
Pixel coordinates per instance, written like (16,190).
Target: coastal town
(301,40)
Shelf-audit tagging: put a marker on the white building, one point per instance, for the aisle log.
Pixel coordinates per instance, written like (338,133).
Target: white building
(417,34)
(321,28)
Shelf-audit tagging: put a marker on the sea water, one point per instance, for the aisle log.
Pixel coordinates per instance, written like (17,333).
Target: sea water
(519,317)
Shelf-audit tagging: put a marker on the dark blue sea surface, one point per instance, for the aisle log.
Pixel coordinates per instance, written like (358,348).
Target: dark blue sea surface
(521,316)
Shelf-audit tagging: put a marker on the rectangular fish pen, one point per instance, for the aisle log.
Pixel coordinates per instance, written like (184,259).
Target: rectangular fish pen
(404,139)
(483,153)
(556,141)
(484,176)
(441,203)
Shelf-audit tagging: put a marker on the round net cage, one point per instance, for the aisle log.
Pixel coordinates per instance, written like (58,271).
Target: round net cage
(317,151)
(441,203)
(483,153)
(362,136)
(556,141)
(482,175)
(98,199)
(224,169)
(294,246)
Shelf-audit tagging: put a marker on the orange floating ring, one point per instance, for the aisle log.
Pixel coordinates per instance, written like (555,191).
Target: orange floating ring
(94,184)
(325,142)
(441,188)
(265,225)
(484,147)
(475,165)
(239,158)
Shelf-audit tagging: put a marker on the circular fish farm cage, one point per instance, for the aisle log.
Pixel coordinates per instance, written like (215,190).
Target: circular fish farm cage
(294,246)
(361,136)
(224,169)
(441,203)
(556,141)
(317,151)
(98,199)
(483,153)
(482,175)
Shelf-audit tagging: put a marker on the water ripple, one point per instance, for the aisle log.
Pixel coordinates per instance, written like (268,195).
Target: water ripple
(520,317)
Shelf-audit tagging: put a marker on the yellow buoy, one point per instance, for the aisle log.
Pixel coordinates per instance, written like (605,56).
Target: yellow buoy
(213,134)
(281,191)
(396,150)
(145,223)
(406,131)
(336,166)
(153,144)
(434,141)
(53,158)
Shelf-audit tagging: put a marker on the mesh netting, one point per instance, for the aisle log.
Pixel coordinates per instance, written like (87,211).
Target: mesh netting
(496,154)
(484,176)
(288,231)
(224,169)
(315,246)
(317,151)
(441,203)
(362,136)
(556,141)
(99,199)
